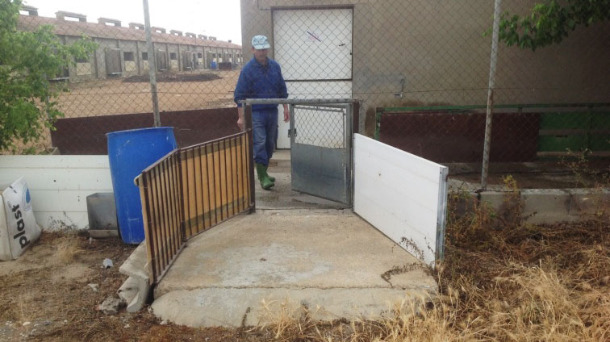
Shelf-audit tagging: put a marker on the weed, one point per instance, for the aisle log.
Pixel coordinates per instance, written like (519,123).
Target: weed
(585,174)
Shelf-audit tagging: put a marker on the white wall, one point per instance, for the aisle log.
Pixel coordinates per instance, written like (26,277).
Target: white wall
(404,196)
(59,185)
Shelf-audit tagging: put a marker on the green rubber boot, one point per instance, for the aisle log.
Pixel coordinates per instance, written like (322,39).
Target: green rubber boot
(270,178)
(261,171)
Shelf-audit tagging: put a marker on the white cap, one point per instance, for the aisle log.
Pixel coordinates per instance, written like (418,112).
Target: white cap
(260,42)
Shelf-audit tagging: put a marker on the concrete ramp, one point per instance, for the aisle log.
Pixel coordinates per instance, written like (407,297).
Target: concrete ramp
(255,268)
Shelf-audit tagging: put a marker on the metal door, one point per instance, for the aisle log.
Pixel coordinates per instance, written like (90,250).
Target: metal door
(314,48)
(321,160)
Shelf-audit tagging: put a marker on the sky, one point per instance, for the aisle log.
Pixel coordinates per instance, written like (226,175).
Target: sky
(218,18)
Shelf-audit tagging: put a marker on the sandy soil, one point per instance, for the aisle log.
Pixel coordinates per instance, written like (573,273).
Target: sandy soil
(211,89)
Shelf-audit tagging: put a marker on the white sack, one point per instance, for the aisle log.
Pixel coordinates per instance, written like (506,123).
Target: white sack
(18,227)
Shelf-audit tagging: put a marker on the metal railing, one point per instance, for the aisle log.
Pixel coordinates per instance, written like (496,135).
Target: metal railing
(191,190)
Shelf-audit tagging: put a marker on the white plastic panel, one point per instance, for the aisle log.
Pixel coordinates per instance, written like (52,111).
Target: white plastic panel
(313,44)
(59,185)
(404,196)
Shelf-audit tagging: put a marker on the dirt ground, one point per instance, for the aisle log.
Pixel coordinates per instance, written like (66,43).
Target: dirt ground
(53,291)
(208,89)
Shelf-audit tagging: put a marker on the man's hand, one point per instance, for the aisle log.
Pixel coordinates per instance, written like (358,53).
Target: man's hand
(286,114)
(240,121)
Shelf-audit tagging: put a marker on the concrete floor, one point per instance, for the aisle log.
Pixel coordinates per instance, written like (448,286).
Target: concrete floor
(296,253)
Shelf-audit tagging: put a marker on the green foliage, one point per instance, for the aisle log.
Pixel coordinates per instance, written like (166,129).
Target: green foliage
(551,21)
(27,61)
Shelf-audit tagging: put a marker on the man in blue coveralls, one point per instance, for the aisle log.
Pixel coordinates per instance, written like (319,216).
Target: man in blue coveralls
(262,78)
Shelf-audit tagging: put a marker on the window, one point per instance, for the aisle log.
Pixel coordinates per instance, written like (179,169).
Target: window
(82,60)
(128,56)
(173,56)
(144,56)
(199,55)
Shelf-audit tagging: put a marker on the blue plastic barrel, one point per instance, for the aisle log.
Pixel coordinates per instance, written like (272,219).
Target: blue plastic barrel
(129,153)
(214,65)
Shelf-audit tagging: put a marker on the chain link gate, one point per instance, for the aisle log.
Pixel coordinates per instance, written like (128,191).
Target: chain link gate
(321,133)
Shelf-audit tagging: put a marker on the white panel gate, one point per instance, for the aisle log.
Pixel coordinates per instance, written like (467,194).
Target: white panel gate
(404,196)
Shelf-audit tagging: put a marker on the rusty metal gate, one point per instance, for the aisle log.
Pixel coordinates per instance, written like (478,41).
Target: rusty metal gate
(191,190)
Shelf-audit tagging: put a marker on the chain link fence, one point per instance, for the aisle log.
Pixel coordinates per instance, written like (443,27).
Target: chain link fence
(420,70)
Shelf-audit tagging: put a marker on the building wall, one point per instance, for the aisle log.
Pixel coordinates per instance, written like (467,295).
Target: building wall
(130,67)
(100,56)
(421,52)
(142,64)
(174,57)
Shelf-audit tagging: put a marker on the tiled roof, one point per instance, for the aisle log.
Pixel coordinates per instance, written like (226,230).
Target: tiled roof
(97,30)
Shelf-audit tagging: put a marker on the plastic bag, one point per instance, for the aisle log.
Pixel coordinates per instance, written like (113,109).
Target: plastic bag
(18,227)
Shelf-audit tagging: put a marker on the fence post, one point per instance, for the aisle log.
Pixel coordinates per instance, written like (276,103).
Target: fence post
(490,93)
(152,68)
(248,128)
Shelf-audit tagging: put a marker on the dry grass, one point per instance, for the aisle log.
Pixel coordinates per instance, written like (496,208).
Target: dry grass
(503,280)
(67,249)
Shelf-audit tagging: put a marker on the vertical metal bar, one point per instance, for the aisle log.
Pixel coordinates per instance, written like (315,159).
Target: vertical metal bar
(155,220)
(213,189)
(239,173)
(248,118)
(150,254)
(179,192)
(349,151)
(188,157)
(174,198)
(490,93)
(167,201)
(197,187)
(205,197)
(441,216)
(209,155)
(292,131)
(152,69)
(224,186)
(245,170)
(233,173)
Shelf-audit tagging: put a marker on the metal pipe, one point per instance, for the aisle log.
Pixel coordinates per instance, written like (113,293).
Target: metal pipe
(152,68)
(296,101)
(490,93)
(248,128)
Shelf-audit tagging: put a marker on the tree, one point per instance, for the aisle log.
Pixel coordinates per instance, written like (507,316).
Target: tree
(551,21)
(27,61)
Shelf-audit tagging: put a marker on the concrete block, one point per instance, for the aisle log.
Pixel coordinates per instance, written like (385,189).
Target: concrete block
(548,206)
(134,293)
(136,288)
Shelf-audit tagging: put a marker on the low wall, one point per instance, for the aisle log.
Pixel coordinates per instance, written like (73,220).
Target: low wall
(87,135)
(59,185)
(458,137)
(548,206)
